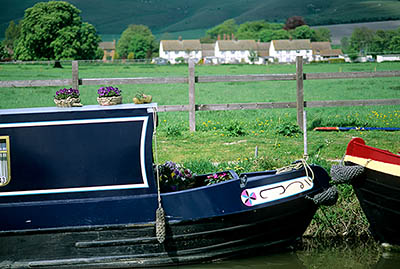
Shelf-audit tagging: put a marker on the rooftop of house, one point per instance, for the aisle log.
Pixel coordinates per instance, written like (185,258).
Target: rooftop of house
(236,45)
(331,52)
(208,49)
(263,49)
(181,45)
(295,44)
(317,47)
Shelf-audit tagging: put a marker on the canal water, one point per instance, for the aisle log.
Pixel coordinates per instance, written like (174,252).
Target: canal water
(325,256)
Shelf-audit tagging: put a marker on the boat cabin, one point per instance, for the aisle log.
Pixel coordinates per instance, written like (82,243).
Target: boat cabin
(67,167)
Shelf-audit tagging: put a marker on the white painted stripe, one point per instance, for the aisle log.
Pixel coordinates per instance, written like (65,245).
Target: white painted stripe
(144,184)
(70,190)
(276,191)
(70,122)
(387,168)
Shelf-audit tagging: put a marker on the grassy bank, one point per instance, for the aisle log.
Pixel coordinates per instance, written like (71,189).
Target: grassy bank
(228,139)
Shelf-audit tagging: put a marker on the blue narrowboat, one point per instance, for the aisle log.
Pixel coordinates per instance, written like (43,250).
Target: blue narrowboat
(78,190)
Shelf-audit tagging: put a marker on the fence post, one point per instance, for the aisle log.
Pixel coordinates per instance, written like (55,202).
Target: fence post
(300,90)
(75,75)
(192,104)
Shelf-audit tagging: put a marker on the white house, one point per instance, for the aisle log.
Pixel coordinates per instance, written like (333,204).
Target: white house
(263,53)
(186,49)
(234,51)
(285,51)
(323,51)
(388,58)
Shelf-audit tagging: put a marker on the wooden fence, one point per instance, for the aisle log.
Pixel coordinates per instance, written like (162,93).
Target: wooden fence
(192,80)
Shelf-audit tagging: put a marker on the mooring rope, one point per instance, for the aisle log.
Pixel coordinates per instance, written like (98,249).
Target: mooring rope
(297,165)
(160,213)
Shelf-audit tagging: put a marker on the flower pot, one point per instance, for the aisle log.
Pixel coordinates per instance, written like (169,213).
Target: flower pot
(144,100)
(109,101)
(68,102)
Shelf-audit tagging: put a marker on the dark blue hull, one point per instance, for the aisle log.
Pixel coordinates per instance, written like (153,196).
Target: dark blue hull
(101,213)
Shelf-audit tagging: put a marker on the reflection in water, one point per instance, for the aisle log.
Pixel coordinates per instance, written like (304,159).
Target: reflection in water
(389,260)
(317,254)
(274,261)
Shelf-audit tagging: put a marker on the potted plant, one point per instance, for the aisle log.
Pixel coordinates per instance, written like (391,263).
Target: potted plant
(67,98)
(141,98)
(109,96)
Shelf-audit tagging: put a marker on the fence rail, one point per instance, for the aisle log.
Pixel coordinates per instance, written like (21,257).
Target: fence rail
(191,80)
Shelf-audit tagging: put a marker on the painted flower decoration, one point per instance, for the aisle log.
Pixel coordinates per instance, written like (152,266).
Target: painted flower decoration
(65,93)
(108,91)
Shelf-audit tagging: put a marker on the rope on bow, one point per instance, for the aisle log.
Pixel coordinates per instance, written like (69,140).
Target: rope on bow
(160,213)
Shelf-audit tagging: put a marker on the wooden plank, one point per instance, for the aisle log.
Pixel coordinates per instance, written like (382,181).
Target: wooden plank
(244,78)
(347,75)
(244,106)
(192,101)
(172,108)
(75,75)
(371,102)
(140,80)
(35,83)
(300,91)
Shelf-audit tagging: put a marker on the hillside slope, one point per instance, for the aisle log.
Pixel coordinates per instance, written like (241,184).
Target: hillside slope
(112,17)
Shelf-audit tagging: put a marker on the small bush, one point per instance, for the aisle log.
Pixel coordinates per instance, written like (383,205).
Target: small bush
(234,128)
(174,130)
(288,129)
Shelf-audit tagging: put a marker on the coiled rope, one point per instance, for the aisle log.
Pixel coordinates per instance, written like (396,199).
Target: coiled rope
(328,197)
(297,165)
(160,213)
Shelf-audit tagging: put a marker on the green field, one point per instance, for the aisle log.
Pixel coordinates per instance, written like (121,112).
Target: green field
(260,127)
(228,139)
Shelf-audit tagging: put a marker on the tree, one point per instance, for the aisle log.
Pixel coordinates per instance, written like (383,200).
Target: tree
(251,29)
(228,27)
(394,44)
(361,39)
(11,35)
(253,56)
(54,30)
(3,52)
(268,35)
(294,22)
(137,39)
(303,32)
(345,44)
(321,34)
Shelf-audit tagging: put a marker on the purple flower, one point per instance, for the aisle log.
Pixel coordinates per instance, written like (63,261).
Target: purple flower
(108,91)
(65,93)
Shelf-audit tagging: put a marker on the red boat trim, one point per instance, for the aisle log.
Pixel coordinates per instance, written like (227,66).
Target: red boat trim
(373,158)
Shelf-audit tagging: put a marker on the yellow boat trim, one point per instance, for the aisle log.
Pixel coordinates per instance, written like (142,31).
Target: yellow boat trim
(383,167)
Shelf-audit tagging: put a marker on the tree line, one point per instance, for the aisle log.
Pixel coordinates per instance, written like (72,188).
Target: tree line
(54,30)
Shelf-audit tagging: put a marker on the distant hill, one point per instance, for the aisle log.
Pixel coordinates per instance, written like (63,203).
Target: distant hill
(113,16)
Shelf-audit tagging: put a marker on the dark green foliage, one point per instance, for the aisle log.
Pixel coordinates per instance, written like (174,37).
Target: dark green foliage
(54,30)
(174,130)
(3,52)
(288,129)
(228,27)
(112,17)
(136,39)
(234,128)
(11,35)
(366,41)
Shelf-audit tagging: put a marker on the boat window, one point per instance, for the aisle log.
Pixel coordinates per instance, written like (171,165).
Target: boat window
(5,175)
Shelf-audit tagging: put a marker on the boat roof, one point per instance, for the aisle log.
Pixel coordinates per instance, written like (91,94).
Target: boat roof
(74,109)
